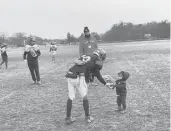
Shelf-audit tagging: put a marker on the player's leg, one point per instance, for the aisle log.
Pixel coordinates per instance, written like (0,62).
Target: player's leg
(54,53)
(118,103)
(83,90)
(31,68)
(36,69)
(123,102)
(6,62)
(72,90)
(3,60)
(53,58)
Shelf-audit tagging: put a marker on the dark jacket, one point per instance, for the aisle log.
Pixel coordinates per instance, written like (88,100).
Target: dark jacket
(121,84)
(27,55)
(4,54)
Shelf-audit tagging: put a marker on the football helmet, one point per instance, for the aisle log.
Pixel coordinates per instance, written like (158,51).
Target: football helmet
(101,53)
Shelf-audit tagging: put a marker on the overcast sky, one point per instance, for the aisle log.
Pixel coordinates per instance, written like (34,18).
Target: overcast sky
(54,18)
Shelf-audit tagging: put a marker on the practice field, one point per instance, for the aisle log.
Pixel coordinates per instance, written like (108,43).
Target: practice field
(27,107)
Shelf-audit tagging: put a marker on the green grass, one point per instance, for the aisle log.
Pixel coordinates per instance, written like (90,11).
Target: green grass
(26,107)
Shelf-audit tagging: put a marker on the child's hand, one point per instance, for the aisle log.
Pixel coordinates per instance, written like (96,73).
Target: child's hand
(109,85)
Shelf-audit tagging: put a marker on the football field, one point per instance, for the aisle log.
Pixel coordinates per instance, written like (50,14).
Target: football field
(28,107)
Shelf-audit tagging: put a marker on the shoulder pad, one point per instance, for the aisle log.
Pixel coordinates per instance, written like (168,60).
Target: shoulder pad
(85,58)
(35,45)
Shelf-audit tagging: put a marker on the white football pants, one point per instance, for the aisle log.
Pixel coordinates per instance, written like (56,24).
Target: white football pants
(78,83)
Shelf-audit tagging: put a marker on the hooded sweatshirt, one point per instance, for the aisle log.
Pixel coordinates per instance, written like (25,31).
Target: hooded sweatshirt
(87,45)
(121,84)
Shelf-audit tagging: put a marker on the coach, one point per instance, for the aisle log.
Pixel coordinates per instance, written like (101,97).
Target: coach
(87,43)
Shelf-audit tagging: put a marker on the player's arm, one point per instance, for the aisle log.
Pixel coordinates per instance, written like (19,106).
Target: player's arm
(24,55)
(88,75)
(99,77)
(38,52)
(109,78)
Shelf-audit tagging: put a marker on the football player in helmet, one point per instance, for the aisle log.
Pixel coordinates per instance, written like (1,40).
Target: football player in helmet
(78,76)
(101,56)
(53,49)
(4,55)
(31,54)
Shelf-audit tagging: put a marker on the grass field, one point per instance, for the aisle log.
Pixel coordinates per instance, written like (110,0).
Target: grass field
(27,107)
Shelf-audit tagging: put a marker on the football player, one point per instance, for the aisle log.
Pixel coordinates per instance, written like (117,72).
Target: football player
(31,54)
(79,75)
(4,55)
(53,49)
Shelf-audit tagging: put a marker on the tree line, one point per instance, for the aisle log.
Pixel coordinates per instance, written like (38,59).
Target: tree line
(128,31)
(121,31)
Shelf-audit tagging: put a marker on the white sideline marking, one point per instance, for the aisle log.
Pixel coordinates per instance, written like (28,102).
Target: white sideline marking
(8,96)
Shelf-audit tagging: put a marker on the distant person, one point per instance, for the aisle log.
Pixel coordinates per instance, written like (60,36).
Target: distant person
(31,55)
(53,49)
(87,43)
(4,55)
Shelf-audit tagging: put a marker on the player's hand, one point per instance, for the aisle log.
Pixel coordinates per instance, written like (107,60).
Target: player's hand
(25,60)
(106,77)
(110,85)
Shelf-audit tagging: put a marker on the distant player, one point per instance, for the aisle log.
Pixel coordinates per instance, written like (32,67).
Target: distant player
(31,54)
(53,49)
(4,55)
